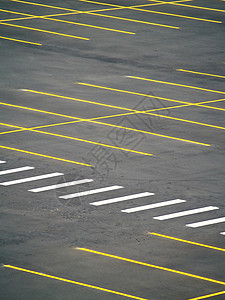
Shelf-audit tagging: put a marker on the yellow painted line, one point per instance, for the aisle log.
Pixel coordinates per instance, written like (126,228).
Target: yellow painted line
(20,41)
(15,12)
(73,282)
(110,125)
(151,265)
(77,99)
(200,7)
(45,31)
(208,296)
(200,73)
(91,26)
(78,139)
(152,11)
(48,17)
(46,156)
(44,5)
(132,20)
(177,84)
(187,242)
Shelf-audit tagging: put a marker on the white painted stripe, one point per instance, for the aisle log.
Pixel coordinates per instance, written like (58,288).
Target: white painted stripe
(207,222)
(31,179)
(186,213)
(155,205)
(60,185)
(124,198)
(222,233)
(90,192)
(16,170)
(2,161)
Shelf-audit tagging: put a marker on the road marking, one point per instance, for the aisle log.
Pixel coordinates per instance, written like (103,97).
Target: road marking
(48,17)
(200,7)
(177,84)
(60,185)
(20,41)
(150,265)
(46,156)
(124,198)
(152,11)
(16,170)
(151,206)
(73,282)
(187,242)
(186,213)
(91,192)
(81,140)
(44,5)
(28,179)
(130,20)
(208,296)
(2,161)
(207,222)
(45,31)
(222,233)
(199,73)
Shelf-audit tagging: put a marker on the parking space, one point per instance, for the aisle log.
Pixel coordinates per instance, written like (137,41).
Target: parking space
(112,149)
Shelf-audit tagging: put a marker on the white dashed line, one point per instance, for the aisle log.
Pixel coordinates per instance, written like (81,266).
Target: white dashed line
(30,179)
(124,198)
(60,185)
(207,222)
(186,213)
(16,170)
(90,192)
(2,161)
(151,206)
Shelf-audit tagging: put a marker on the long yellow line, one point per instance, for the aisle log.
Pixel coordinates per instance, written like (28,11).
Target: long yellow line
(199,7)
(176,84)
(149,96)
(148,112)
(115,126)
(152,11)
(20,41)
(47,156)
(77,139)
(200,73)
(45,31)
(48,17)
(187,242)
(208,296)
(73,282)
(151,265)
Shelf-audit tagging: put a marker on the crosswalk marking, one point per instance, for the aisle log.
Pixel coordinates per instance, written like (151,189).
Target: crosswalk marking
(60,185)
(186,213)
(150,206)
(90,192)
(207,222)
(119,199)
(2,161)
(30,179)
(16,170)
(222,233)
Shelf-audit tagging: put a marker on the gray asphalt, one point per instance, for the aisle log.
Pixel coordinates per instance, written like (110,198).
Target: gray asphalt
(177,155)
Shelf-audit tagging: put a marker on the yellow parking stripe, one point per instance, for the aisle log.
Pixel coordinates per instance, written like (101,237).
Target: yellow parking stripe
(176,84)
(20,41)
(46,31)
(151,11)
(73,282)
(200,73)
(185,241)
(46,156)
(150,265)
(112,125)
(48,17)
(208,296)
(78,139)
(200,7)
